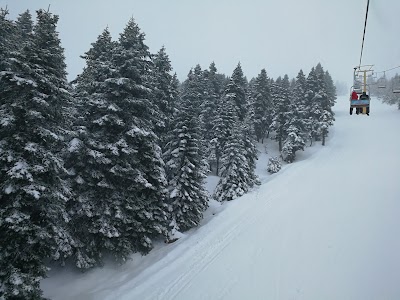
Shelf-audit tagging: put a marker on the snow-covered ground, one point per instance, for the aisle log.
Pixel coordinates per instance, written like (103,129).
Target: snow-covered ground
(324,227)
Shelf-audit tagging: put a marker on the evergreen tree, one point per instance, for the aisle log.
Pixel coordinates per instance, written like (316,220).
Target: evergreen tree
(237,90)
(219,135)
(186,167)
(87,161)
(325,102)
(283,109)
(250,149)
(319,70)
(292,85)
(233,182)
(148,189)
(238,152)
(224,119)
(194,89)
(8,43)
(165,93)
(217,81)
(299,93)
(195,92)
(293,142)
(319,105)
(387,95)
(124,186)
(274,165)
(24,25)
(312,105)
(263,108)
(213,93)
(297,126)
(330,89)
(33,217)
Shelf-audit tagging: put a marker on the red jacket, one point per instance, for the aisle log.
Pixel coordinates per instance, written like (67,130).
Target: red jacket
(354,96)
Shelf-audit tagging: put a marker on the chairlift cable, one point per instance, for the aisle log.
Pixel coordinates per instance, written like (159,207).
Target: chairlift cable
(388,70)
(365,27)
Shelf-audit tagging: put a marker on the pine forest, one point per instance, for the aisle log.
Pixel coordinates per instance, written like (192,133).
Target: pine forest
(116,159)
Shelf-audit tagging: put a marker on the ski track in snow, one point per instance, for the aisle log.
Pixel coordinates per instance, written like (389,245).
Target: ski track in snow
(324,227)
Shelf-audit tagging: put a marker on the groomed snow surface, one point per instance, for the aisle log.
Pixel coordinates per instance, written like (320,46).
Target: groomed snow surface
(324,227)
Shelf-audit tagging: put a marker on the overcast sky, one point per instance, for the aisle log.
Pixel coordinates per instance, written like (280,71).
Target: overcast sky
(280,36)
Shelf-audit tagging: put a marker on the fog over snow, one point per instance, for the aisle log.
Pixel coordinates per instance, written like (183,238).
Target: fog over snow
(281,36)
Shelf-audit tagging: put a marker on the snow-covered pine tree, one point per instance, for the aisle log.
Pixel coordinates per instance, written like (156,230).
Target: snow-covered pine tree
(299,95)
(249,148)
(165,93)
(235,141)
(251,87)
(235,90)
(326,120)
(297,130)
(326,117)
(8,37)
(237,175)
(292,85)
(217,142)
(87,160)
(312,106)
(319,69)
(387,95)
(217,81)
(214,90)
(223,121)
(194,90)
(24,25)
(330,88)
(263,106)
(274,165)
(123,188)
(293,142)
(283,109)
(144,189)
(33,217)
(237,87)
(185,167)
(194,87)
(211,96)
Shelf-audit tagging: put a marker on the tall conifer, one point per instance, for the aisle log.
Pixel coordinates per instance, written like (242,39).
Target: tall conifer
(33,217)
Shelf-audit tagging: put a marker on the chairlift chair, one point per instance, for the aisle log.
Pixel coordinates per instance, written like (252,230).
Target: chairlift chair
(396,85)
(362,103)
(382,82)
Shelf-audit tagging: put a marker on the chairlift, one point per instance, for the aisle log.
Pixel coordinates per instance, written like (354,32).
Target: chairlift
(396,85)
(362,104)
(382,82)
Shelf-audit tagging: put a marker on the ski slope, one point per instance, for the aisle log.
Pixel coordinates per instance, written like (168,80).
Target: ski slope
(324,227)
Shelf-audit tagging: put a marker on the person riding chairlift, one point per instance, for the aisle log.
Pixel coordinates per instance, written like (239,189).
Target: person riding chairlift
(364,96)
(354,96)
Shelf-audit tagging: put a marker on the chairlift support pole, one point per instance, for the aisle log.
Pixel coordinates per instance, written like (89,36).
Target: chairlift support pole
(364,70)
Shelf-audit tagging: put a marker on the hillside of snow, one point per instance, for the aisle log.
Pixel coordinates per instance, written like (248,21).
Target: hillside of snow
(324,227)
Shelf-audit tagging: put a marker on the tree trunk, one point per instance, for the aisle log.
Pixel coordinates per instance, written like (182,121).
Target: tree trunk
(217,160)
(280,140)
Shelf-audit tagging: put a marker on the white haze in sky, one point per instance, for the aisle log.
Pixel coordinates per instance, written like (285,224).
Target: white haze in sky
(280,36)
